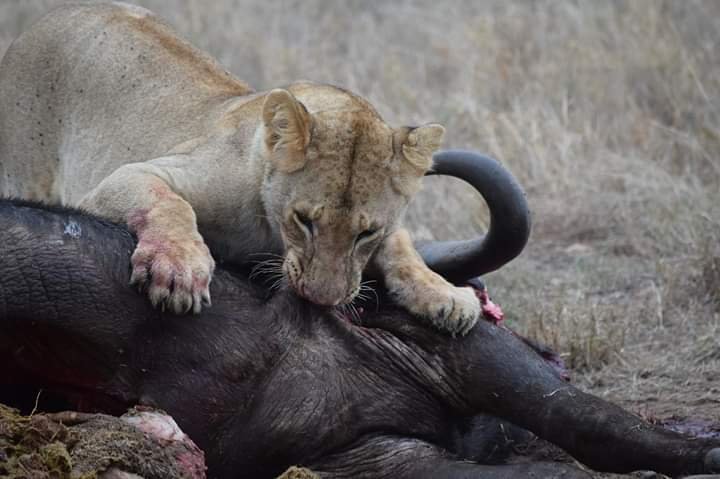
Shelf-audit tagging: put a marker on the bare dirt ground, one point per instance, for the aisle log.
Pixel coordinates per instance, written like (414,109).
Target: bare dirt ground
(607,112)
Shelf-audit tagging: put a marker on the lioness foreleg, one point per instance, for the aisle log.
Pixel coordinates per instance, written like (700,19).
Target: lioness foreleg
(422,291)
(171,260)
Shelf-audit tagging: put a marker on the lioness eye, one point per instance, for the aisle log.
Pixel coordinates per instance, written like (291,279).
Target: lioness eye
(365,234)
(304,220)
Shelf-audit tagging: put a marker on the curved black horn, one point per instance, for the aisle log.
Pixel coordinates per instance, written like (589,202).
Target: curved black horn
(459,261)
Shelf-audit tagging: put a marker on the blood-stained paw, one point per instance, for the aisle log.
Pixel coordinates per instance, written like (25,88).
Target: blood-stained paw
(175,273)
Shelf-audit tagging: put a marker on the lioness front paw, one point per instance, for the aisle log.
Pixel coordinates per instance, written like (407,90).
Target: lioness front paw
(175,273)
(449,308)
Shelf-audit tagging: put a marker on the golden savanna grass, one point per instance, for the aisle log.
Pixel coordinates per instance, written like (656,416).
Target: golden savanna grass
(607,112)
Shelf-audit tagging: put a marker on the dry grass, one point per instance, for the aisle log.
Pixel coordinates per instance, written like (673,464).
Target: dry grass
(607,112)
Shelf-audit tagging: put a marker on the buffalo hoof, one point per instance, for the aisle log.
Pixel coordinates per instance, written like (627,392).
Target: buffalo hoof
(712,460)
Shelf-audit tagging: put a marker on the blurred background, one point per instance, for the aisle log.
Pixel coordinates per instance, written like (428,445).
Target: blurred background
(607,112)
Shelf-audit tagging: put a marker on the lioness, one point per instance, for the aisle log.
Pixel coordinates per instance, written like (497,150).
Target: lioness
(104,107)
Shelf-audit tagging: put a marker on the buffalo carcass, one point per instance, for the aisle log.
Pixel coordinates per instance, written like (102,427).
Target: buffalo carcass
(264,381)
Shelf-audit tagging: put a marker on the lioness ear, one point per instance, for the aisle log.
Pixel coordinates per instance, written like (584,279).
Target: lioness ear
(420,145)
(416,147)
(287,130)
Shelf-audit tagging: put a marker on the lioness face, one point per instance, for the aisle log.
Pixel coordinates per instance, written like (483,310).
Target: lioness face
(339,182)
(327,247)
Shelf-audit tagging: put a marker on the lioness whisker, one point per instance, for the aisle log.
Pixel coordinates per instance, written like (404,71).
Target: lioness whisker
(260,272)
(269,266)
(273,255)
(266,268)
(365,288)
(277,284)
(270,262)
(354,312)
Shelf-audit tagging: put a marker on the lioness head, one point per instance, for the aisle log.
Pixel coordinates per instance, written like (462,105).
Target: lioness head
(337,180)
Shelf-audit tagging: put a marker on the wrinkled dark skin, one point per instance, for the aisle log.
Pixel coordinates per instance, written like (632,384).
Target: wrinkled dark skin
(264,383)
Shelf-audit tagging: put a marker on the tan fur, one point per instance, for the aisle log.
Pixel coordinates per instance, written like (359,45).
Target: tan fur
(102,106)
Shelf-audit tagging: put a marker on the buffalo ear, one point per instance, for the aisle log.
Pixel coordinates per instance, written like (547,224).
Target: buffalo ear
(416,146)
(287,130)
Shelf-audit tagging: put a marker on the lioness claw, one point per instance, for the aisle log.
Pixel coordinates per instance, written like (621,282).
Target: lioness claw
(455,310)
(448,308)
(176,275)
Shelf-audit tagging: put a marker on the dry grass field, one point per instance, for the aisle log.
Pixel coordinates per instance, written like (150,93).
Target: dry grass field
(607,112)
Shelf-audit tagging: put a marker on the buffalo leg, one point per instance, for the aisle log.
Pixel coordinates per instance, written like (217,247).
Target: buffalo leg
(509,380)
(381,457)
